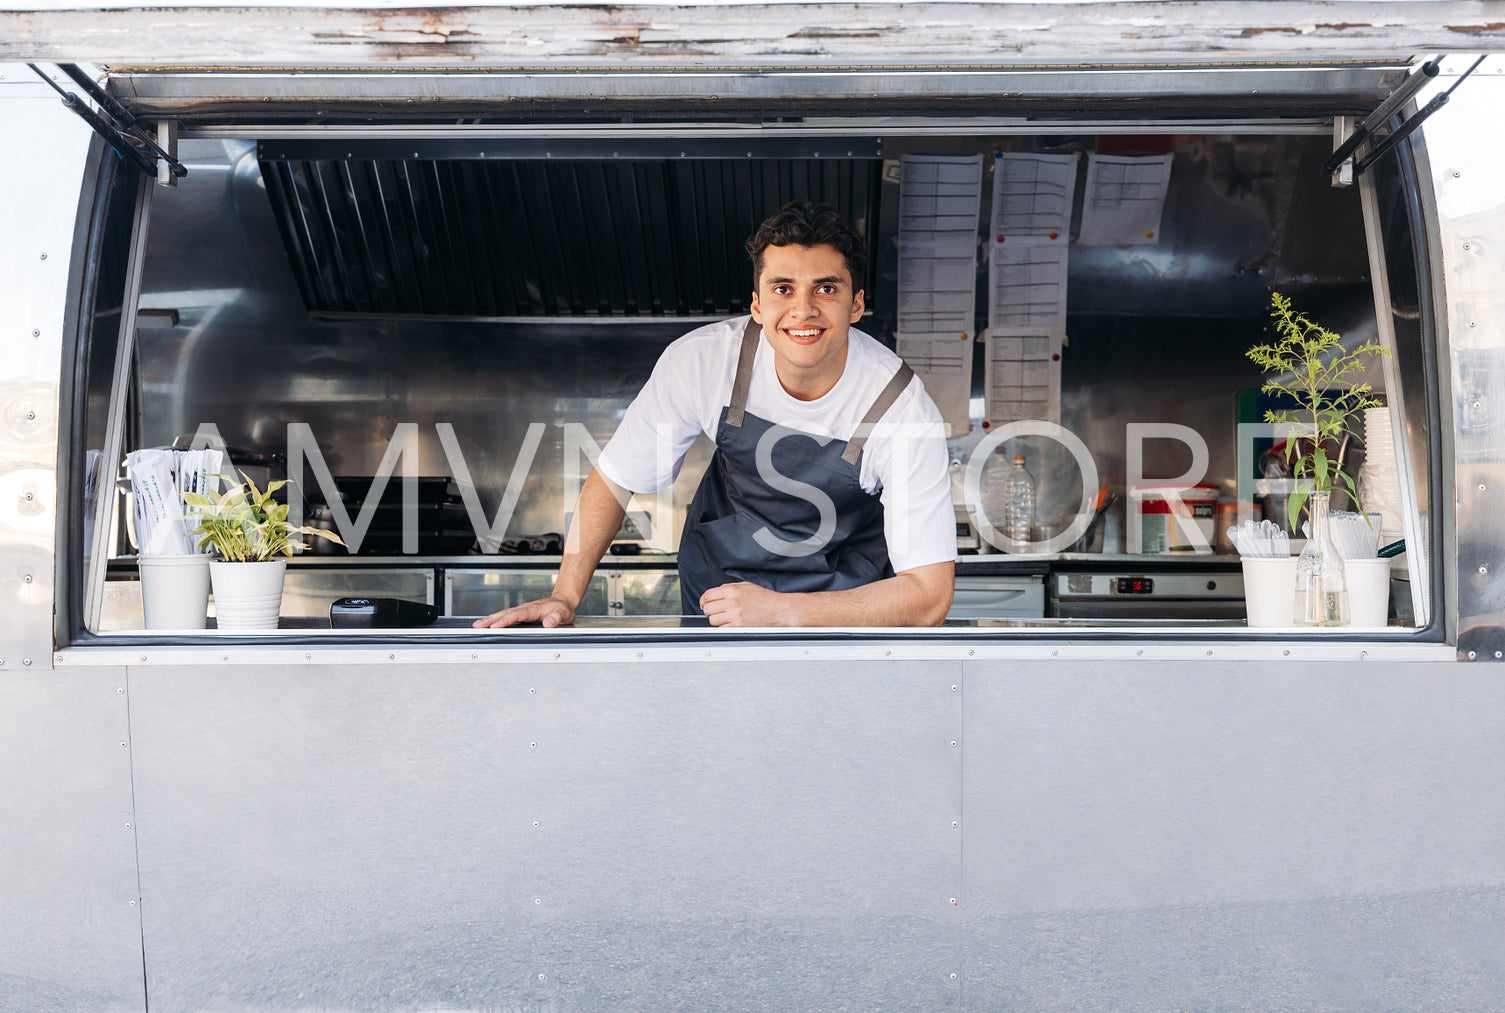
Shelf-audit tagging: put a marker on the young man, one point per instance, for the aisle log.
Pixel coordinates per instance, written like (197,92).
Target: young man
(828,501)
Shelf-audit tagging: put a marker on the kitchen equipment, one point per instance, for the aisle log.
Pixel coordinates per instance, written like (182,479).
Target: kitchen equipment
(1174,517)
(379,613)
(998,597)
(1213,592)
(967,539)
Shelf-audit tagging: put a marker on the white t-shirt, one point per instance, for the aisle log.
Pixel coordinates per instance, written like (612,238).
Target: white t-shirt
(904,459)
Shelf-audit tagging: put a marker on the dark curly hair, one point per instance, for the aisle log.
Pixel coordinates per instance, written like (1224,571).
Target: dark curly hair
(802,223)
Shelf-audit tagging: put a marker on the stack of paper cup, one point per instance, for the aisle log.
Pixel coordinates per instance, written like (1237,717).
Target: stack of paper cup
(1379,484)
(174,591)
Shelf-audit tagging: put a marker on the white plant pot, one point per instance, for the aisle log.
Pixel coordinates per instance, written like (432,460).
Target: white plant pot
(247,596)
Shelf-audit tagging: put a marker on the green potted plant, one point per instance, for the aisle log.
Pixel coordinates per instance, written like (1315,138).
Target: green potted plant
(1309,364)
(252,538)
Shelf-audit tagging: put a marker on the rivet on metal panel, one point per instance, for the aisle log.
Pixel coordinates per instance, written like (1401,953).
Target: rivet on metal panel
(1456,173)
(2,661)
(473,657)
(1473,323)
(640,654)
(391,657)
(1285,654)
(953,689)
(1465,246)
(58,659)
(142,658)
(133,903)
(532,689)
(1483,568)
(1481,486)
(1471,655)
(538,900)
(535,823)
(953,902)
(44,256)
(123,743)
(556,655)
(956,823)
(971,653)
(1054,653)
(26,661)
(36,332)
(543,977)
(120,689)
(31,416)
(222,657)
(532,744)
(953,975)
(1499,655)
(27,578)
(128,826)
(953,743)
(1363,655)
(1209,654)
(30,497)
(887,653)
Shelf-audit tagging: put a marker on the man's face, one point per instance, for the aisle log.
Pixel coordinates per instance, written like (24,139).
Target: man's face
(806,303)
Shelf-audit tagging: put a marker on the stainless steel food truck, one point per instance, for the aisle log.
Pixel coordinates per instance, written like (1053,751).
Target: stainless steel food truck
(420,260)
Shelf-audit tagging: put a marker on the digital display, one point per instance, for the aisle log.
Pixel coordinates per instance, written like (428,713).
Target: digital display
(1134,585)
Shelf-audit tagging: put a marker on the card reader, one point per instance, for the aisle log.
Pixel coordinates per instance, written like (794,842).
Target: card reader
(379,613)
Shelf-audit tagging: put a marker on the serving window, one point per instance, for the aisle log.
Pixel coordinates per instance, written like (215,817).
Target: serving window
(431,339)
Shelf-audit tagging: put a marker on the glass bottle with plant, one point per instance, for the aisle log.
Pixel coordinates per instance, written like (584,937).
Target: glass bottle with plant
(243,524)
(1309,364)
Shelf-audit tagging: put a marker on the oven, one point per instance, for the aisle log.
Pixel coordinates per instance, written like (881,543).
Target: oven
(1203,592)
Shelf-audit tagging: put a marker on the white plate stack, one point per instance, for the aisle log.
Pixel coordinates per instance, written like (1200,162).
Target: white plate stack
(1379,483)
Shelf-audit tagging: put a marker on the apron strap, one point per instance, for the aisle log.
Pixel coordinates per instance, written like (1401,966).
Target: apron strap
(743,383)
(885,401)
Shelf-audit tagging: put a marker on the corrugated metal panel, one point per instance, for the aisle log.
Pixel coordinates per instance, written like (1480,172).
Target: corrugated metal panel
(547,238)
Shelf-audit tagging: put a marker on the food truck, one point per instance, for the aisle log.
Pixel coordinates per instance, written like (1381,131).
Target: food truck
(416,262)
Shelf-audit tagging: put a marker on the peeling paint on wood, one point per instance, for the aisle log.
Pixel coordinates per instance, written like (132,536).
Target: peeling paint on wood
(760,35)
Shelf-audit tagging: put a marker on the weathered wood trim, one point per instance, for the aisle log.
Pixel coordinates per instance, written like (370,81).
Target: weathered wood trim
(738,35)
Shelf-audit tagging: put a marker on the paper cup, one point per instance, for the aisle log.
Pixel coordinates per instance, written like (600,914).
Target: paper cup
(174,591)
(1368,592)
(1270,590)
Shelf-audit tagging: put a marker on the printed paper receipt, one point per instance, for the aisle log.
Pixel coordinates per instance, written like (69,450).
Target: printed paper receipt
(939,200)
(1125,198)
(944,364)
(1032,194)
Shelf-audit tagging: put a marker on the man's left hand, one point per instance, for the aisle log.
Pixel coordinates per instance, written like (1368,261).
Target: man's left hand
(745,604)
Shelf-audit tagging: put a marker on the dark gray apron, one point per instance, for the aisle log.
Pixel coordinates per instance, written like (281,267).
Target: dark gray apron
(721,542)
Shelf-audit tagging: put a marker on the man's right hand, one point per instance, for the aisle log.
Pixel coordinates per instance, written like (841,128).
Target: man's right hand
(550,612)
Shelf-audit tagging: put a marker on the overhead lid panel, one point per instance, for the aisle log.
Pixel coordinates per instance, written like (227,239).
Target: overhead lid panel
(800,36)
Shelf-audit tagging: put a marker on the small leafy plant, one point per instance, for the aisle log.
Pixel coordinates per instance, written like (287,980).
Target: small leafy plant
(243,524)
(1309,364)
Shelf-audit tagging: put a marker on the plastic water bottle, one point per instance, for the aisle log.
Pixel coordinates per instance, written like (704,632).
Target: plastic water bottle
(1018,504)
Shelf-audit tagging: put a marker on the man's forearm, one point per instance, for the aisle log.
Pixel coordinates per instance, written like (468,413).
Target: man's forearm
(913,598)
(598,517)
(918,597)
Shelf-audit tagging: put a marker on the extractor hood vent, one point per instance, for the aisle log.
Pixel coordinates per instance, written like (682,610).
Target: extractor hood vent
(542,238)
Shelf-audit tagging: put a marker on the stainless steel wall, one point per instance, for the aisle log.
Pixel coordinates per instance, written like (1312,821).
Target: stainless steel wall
(1157,333)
